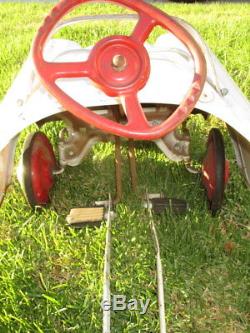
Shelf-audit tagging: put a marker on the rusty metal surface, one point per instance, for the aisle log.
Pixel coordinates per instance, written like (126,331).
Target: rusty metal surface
(76,140)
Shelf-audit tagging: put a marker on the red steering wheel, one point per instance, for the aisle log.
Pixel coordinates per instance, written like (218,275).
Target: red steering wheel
(120,66)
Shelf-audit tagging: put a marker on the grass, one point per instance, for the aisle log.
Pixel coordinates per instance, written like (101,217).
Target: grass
(50,276)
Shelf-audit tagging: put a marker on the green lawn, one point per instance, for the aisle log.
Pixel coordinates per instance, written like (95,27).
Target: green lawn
(51,276)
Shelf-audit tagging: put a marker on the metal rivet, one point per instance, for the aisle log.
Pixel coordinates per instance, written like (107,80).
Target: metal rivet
(20,102)
(224,91)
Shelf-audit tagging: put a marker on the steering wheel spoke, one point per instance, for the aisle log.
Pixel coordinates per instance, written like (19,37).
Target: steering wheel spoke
(134,112)
(59,70)
(143,28)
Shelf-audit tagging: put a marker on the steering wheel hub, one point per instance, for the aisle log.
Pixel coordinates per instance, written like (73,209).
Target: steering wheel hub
(119,65)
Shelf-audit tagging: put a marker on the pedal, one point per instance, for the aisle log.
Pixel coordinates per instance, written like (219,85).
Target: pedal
(160,204)
(82,217)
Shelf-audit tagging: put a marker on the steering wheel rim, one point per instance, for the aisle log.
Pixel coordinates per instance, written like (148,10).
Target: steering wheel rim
(125,80)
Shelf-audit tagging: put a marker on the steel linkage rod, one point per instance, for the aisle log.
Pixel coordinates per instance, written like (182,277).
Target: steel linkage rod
(159,269)
(107,272)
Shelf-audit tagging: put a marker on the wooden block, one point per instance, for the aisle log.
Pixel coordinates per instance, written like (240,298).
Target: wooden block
(86,216)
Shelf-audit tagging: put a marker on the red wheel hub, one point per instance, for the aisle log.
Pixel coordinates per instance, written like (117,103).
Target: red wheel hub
(42,165)
(215,170)
(209,171)
(120,66)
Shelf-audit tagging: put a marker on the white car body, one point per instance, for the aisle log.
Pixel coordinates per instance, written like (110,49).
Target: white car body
(28,102)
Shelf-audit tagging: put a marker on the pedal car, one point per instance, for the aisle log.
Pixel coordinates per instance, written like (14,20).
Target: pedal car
(120,87)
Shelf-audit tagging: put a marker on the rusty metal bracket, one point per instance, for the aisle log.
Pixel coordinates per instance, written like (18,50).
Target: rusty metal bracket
(118,170)
(132,164)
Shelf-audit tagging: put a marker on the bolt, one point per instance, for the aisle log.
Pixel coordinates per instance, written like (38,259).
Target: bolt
(224,91)
(20,102)
(119,63)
